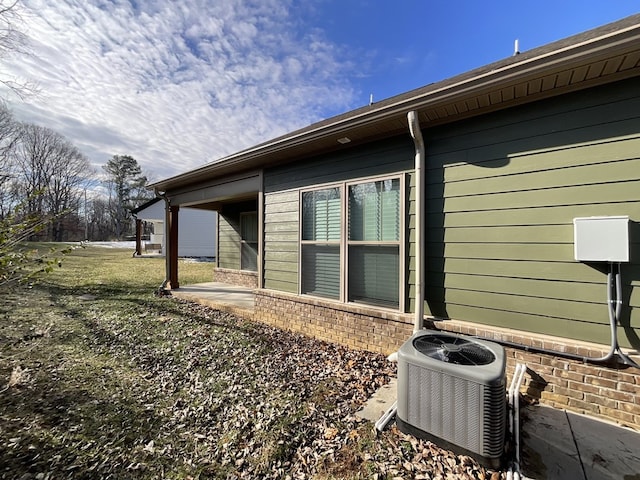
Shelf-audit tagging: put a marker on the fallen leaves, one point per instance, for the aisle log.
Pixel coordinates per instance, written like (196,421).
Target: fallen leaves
(171,389)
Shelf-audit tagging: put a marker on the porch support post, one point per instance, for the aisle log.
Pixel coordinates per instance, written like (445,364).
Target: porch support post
(138,236)
(172,252)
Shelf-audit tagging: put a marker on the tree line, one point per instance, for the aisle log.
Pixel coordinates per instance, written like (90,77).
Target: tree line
(49,190)
(43,175)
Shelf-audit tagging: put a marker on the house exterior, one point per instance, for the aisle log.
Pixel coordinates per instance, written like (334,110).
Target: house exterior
(197,230)
(453,205)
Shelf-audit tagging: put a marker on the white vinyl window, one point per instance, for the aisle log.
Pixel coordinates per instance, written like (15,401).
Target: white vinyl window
(365,229)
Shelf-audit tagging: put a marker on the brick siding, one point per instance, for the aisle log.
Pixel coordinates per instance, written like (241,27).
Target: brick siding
(607,392)
(242,278)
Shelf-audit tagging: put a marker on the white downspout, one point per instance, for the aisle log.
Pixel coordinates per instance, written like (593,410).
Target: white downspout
(416,134)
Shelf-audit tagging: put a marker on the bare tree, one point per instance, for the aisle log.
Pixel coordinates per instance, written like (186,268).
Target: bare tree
(64,192)
(9,135)
(100,223)
(13,41)
(51,173)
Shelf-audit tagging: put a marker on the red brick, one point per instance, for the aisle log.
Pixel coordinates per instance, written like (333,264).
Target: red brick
(578,377)
(554,397)
(616,395)
(582,405)
(585,387)
(617,415)
(610,374)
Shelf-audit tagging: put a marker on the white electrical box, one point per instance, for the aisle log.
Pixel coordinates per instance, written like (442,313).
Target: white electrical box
(601,239)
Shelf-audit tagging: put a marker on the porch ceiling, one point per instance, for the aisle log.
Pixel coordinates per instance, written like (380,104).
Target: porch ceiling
(600,56)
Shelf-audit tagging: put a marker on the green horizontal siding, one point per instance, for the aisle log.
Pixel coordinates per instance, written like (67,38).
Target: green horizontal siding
(581,175)
(281,241)
(229,242)
(584,331)
(281,199)
(612,192)
(502,192)
(379,158)
(553,215)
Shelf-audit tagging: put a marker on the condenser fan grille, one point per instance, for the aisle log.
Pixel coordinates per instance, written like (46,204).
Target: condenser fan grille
(450,349)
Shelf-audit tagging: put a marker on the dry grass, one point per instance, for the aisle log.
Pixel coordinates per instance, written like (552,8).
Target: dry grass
(99,378)
(93,267)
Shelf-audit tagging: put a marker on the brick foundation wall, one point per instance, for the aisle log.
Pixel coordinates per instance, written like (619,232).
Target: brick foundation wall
(355,326)
(607,392)
(241,278)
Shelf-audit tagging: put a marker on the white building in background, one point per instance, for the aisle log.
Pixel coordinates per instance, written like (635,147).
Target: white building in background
(196,230)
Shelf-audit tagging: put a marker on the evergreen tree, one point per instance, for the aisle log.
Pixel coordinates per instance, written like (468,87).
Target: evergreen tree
(125,183)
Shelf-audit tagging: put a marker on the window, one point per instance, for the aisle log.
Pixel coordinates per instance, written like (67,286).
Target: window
(321,235)
(249,241)
(368,239)
(374,243)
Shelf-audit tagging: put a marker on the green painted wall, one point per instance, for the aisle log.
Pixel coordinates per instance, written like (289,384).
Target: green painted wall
(502,194)
(281,241)
(229,233)
(379,158)
(281,199)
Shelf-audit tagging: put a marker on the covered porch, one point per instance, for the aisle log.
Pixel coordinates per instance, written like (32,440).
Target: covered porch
(236,200)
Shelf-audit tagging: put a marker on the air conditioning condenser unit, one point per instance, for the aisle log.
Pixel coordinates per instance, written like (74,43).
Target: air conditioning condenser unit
(451,390)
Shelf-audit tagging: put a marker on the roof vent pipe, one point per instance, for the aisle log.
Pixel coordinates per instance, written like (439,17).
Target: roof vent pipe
(416,134)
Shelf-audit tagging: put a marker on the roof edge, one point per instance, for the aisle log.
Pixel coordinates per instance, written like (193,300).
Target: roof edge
(621,32)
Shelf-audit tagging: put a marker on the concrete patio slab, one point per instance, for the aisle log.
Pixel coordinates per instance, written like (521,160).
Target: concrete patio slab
(557,444)
(222,296)
(379,402)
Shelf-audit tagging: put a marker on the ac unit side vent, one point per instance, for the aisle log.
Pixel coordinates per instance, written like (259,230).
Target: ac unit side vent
(461,406)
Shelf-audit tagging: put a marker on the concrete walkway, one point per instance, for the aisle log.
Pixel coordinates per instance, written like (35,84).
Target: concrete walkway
(222,296)
(558,444)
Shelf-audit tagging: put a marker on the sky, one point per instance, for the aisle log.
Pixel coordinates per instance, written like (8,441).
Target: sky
(180,83)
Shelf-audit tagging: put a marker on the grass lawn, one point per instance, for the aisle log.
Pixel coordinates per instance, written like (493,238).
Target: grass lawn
(101,379)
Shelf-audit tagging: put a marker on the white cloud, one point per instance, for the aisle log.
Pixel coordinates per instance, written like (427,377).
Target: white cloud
(175,84)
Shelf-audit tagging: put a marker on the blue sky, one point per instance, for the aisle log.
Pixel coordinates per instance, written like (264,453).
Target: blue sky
(177,84)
